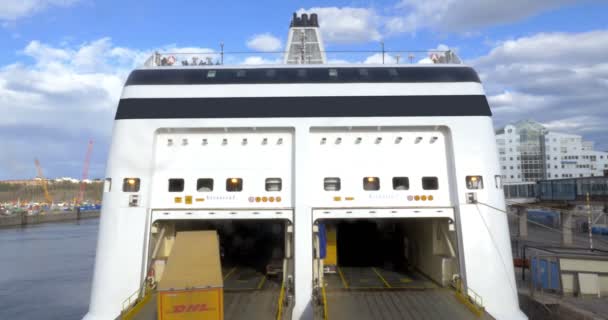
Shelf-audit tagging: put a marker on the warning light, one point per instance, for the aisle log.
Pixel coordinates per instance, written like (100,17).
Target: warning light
(423,198)
(130,185)
(474,182)
(430,198)
(234,184)
(417,198)
(264,199)
(371,183)
(279,199)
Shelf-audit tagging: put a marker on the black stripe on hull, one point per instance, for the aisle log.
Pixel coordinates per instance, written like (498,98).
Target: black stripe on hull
(197,76)
(303,107)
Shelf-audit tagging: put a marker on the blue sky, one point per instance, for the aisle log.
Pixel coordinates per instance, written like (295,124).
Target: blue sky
(62,62)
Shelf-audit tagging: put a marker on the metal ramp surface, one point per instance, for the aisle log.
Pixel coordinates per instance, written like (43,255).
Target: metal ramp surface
(423,304)
(247,295)
(376,293)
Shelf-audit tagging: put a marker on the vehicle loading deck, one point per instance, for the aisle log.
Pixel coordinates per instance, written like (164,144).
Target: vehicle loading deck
(379,293)
(248,294)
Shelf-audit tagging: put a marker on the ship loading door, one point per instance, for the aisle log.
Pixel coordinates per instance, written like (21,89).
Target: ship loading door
(387,268)
(255,262)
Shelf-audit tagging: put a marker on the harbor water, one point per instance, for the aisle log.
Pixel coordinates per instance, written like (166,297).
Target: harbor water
(46,270)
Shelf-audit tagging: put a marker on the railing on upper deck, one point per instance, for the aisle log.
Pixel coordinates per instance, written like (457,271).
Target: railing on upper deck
(204,58)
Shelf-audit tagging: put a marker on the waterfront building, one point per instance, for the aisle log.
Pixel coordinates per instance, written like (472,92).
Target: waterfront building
(528,152)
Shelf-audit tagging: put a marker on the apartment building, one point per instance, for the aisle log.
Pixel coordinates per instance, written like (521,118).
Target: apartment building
(529,152)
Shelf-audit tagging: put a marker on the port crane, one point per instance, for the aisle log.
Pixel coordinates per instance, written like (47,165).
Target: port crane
(85,172)
(43,183)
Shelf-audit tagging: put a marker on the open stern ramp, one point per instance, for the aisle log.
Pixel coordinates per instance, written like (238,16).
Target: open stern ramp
(248,294)
(426,304)
(378,293)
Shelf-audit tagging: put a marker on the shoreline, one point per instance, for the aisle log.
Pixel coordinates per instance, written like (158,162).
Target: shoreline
(21,220)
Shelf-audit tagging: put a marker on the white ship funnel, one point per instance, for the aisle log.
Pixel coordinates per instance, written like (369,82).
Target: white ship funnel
(304,43)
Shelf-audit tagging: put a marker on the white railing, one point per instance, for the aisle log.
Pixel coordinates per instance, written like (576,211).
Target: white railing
(207,58)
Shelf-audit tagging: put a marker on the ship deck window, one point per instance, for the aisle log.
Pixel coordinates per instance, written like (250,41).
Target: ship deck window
(234,184)
(241,73)
(274,184)
(331,184)
(430,183)
(130,184)
(176,185)
(204,185)
(401,183)
(371,183)
(211,74)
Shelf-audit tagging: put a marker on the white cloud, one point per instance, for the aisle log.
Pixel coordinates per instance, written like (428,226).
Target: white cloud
(257,60)
(554,78)
(376,58)
(347,24)
(467,17)
(460,16)
(582,124)
(58,97)
(63,85)
(264,42)
(52,105)
(11,10)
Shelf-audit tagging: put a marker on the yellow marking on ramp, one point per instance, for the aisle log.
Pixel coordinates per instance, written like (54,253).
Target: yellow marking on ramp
(405,280)
(381,278)
(342,278)
(229,273)
(476,310)
(262,282)
(325,316)
(131,313)
(281,295)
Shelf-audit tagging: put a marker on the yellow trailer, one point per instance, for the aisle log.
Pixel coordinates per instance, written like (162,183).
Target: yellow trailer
(191,286)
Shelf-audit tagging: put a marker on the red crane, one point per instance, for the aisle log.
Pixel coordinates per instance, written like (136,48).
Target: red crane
(85,171)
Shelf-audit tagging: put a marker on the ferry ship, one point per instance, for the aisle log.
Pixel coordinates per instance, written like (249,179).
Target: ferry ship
(345,191)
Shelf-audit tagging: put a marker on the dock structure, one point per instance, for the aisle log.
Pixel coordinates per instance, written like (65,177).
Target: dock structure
(560,245)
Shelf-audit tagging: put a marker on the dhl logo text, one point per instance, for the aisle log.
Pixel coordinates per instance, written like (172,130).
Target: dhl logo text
(191,308)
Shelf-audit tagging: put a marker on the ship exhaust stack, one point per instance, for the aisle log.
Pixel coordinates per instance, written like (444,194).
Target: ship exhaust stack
(304,42)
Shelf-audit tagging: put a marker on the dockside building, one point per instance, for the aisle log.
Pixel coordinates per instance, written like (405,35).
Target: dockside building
(528,152)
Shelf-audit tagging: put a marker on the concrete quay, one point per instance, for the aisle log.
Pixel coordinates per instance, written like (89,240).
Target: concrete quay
(18,220)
